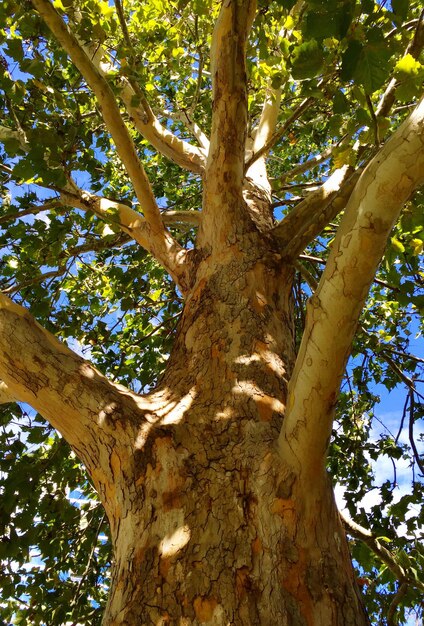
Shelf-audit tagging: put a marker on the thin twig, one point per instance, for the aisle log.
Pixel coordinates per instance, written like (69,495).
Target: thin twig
(411,432)
(374,121)
(391,619)
(414,49)
(303,106)
(34,281)
(300,168)
(306,274)
(364,535)
(33,210)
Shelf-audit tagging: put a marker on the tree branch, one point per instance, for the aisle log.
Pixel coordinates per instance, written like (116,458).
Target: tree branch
(397,598)
(168,252)
(177,150)
(109,107)
(69,392)
(184,118)
(36,279)
(361,533)
(268,120)
(6,134)
(5,394)
(225,165)
(54,203)
(414,49)
(257,173)
(387,182)
(303,167)
(154,236)
(278,134)
(307,219)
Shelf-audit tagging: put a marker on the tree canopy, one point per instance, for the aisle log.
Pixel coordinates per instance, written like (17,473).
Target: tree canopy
(339,77)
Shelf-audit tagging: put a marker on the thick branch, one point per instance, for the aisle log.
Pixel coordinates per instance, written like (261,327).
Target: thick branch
(333,312)
(164,141)
(196,131)
(167,251)
(257,175)
(74,397)
(268,120)
(307,219)
(142,116)
(225,165)
(110,110)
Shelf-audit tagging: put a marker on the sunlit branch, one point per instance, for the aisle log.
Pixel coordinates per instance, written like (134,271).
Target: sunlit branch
(110,111)
(142,116)
(74,397)
(223,183)
(185,118)
(279,133)
(308,218)
(303,167)
(389,559)
(268,119)
(152,235)
(348,275)
(378,281)
(169,252)
(229,92)
(414,49)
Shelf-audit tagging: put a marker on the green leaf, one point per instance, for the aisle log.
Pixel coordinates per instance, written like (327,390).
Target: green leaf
(14,49)
(373,67)
(328,22)
(350,59)
(340,102)
(407,66)
(400,8)
(397,245)
(307,60)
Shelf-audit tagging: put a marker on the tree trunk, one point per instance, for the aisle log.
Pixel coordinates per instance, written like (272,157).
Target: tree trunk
(210,525)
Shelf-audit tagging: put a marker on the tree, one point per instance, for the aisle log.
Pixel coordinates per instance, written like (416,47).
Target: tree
(195,176)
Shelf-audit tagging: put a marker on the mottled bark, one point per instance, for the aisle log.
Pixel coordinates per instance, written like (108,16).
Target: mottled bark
(217,528)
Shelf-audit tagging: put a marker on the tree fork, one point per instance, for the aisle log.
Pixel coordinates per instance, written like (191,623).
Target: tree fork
(220,529)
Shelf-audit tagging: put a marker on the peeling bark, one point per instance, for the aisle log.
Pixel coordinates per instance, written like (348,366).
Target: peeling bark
(209,523)
(221,530)
(223,209)
(214,484)
(390,178)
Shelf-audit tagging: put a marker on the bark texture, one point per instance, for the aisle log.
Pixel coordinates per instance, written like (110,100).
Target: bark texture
(218,528)
(220,508)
